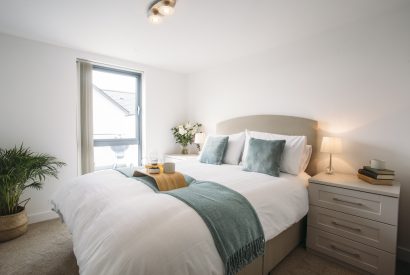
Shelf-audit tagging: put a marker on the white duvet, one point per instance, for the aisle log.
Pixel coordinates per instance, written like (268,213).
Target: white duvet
(120,226)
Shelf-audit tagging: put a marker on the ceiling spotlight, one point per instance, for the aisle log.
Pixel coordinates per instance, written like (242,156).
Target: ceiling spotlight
(155,17)
(160,8)
(167,7)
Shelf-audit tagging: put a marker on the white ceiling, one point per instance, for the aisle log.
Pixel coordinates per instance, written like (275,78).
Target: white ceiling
(201,33)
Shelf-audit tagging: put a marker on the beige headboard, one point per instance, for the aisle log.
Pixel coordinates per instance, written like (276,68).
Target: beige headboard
(285,125)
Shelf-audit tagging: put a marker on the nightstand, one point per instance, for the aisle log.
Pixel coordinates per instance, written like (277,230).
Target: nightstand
(353,221)
(180,157)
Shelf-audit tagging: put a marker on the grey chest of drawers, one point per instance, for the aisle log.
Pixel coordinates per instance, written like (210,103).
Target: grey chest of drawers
(353,221)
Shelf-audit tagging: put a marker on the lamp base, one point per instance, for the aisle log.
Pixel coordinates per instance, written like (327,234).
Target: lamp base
(330,171)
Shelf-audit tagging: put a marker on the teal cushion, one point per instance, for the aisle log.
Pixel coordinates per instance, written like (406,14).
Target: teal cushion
(214,150)
(264,156)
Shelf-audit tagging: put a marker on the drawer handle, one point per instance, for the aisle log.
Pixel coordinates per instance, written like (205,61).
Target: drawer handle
(346,226)
(335,248)
(351,202)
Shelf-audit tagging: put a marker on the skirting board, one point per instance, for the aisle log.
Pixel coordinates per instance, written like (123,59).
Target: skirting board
(403,254)
(42,216)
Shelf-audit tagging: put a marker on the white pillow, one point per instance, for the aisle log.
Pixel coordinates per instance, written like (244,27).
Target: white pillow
(292,154)
(307,154)
(234,149)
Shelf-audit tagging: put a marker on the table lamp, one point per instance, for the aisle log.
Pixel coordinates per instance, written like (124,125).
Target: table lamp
(199,140)
(331,145)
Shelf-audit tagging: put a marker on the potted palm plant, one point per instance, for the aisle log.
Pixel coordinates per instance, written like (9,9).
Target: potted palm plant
(20,169)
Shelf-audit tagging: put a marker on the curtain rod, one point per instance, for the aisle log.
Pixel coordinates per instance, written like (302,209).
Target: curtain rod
(109,65)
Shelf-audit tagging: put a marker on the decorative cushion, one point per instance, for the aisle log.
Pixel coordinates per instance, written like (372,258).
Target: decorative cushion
(264,156)
(234,149)
(214,149)
(292,155)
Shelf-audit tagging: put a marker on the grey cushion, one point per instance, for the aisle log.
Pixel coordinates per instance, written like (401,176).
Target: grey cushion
(214,150)
(264,156)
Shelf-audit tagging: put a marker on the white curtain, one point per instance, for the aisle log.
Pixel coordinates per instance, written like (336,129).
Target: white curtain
(86,117)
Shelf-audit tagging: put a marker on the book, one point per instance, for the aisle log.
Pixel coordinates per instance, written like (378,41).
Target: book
(374,175)
(374,181)
(379,171)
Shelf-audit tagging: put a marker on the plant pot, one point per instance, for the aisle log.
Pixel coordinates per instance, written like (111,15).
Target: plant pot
(13,226)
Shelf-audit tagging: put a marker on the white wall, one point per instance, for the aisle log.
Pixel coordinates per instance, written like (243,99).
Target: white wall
(354,80)
(38,97)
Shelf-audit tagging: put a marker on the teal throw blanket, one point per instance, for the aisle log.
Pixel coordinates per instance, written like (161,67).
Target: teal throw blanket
(231,219)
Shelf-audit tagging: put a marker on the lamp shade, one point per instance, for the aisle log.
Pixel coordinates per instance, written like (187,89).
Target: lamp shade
(331,145)
(199,138)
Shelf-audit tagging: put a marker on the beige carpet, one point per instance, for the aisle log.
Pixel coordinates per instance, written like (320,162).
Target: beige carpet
(47,250)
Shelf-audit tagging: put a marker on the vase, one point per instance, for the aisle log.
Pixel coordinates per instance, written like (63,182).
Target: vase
(184,149)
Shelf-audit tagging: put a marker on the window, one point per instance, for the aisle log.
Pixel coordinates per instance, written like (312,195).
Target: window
(116,118)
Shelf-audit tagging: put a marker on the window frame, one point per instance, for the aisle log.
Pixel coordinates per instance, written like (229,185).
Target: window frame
(138,113)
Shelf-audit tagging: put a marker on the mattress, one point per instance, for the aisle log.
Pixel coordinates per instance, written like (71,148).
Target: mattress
(120,226)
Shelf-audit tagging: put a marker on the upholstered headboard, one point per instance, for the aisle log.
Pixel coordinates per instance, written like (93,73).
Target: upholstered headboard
(285,125)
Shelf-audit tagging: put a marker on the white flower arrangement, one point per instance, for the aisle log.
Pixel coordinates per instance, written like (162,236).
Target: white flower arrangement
(184,134)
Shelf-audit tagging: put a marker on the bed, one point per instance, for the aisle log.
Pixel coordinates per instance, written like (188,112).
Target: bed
(122,227)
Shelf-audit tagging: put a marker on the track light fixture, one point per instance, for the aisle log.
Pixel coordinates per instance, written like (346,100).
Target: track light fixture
(160,8)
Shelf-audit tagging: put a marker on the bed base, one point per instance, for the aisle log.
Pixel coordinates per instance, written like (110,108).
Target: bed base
(276,250)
